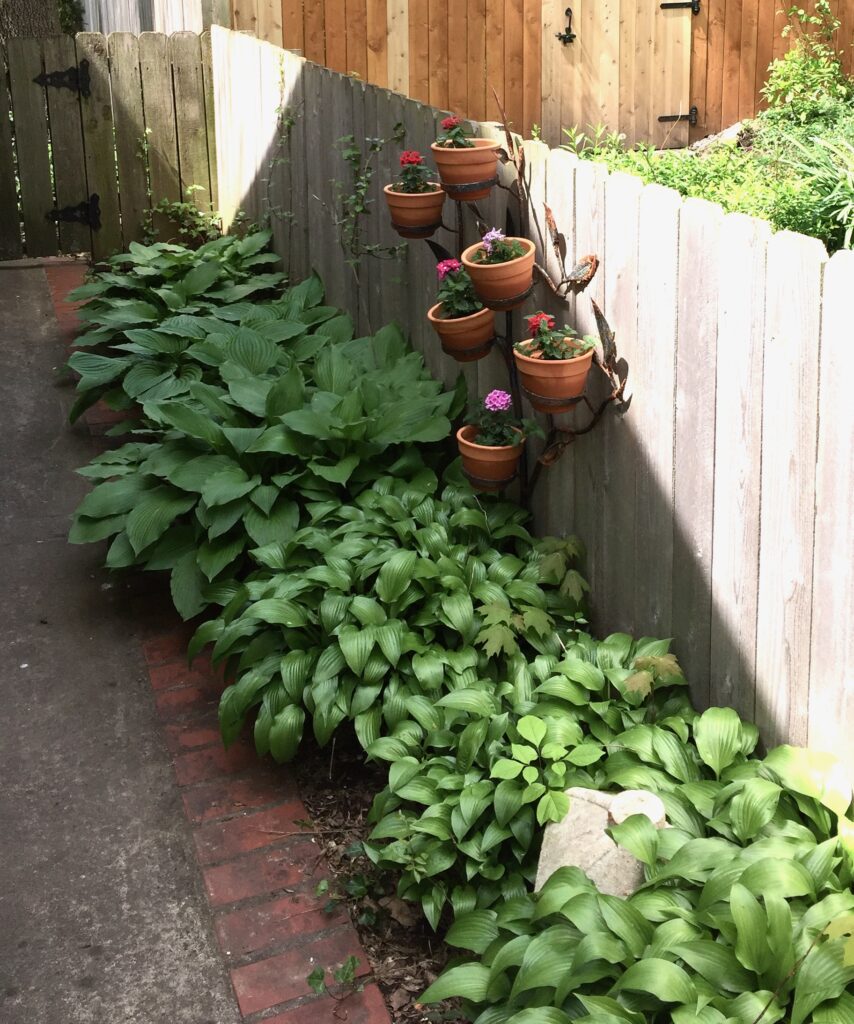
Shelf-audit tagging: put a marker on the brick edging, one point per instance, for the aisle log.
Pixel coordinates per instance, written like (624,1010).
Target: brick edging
(253,842)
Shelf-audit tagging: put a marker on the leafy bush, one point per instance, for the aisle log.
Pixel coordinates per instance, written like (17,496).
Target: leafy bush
(746,913)
(377,608)
(153,285)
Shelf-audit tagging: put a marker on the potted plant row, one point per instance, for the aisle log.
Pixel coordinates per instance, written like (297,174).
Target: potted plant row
(491,443)
(553,364)
(501,269)
(467,166)
(466,328)
(414,201)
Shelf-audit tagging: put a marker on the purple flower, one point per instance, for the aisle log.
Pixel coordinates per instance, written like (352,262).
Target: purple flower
(492,236)
(498,401)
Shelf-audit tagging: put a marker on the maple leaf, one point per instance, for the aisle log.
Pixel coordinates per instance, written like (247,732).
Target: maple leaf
(495,613)
(574,585)
(640,682)
(538,620)
(664,667)
(552,567)
(497,638)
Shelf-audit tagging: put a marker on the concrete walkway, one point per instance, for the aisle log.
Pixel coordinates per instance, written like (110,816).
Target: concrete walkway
(102,915)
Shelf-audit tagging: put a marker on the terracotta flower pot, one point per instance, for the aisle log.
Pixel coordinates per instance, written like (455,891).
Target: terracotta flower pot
(415,214)
(550,384)
(502,285)
(461,168)
(465,338)
(488,468)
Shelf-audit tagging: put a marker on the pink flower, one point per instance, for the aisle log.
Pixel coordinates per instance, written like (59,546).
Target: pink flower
(451,122)
(411,157)
(448,267)
(498,401)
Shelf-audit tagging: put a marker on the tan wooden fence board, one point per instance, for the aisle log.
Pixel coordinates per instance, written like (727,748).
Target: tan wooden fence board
(31,138)
(126,85)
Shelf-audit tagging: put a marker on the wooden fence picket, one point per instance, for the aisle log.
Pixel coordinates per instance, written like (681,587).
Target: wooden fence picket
(10,229)
(160,130)
(31,138)
(185,54)
(126,84)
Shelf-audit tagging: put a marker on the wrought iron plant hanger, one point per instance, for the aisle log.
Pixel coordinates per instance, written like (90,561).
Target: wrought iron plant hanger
(574,281)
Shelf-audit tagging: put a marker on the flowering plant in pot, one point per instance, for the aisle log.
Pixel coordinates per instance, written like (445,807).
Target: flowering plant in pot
(491,442)
(553,364)
(501,269)
(465,327)
(414,202)
(467,166)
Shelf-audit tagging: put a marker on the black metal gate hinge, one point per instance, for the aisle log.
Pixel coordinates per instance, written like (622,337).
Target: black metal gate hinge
(683,5)
(88,212)
(692,117)
(75,78)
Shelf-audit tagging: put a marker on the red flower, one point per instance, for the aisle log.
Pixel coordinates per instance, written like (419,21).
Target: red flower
(451,122)
(539,320)
(411,157)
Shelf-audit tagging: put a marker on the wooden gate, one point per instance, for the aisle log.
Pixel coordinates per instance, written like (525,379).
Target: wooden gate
(101,129)
(625,64)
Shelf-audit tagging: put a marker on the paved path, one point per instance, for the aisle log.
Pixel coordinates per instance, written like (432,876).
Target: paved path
(147,875)
(104,918)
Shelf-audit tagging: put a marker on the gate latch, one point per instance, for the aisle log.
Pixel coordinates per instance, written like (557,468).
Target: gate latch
(88,212)
(684,5)
(567,36)
(691,117)
(75,78)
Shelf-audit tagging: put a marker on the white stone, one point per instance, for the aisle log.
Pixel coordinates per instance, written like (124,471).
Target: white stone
(580,840)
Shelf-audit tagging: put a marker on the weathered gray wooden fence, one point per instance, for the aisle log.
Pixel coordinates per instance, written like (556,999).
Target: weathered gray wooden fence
(131,125)
(715,509)
(154,15)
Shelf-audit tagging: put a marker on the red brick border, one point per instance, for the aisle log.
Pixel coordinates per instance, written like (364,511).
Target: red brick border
(253,842)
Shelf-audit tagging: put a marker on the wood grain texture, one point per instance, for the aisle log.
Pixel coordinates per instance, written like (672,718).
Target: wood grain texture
(356,31)
(694,440)
(377,42)
(437,43)
(531,61)
(335,30)
(185,52)
(10,222)
(315,34)
(476,59)
(31,140)
(98,142)
(789,415)
(514,62)
(126,87)
(293,25)
(66,136)
(210,115)
(269,24)
(740,252)
(831,694)
(161,133)
(419,50)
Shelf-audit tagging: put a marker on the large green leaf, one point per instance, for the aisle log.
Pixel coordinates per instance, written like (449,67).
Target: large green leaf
(717,734)
(154,513)
(286,733)
(395,576)
(752,808)
(751,945)
(665,980)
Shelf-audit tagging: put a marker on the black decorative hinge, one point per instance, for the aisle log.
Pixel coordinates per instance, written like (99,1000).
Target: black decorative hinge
(567,36)
(88,212)
(75,78)
(692,117)
(684,5)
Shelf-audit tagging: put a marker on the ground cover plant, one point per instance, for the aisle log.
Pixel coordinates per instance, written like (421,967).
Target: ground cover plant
(295,487)
(792,165)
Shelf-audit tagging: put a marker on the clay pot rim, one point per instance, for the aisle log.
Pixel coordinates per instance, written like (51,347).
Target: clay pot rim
(482,144)
(435,186)
(490,447)
(467,262)
(431,316)
(540,361)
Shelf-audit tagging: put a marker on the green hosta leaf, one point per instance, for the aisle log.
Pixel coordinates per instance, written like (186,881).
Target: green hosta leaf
(226,485)
(96,370)
(665,980)
(187,421)
(277,611)
(201,277)
(395,575)
(822,976)
(717,734)
(112,497)
(752,808)
(457,611)
(368,611)
(214,556)
(469,981)
(389,637)
(474,931)
(639,836)
(474,702)
(715,962)
(286,733)
(508,801)
(154,513)
(295,669)
(336,473)
(356,646)
(751,946)
(813,773)
(279,526)
(252,351)
(186,585)
(193,474)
